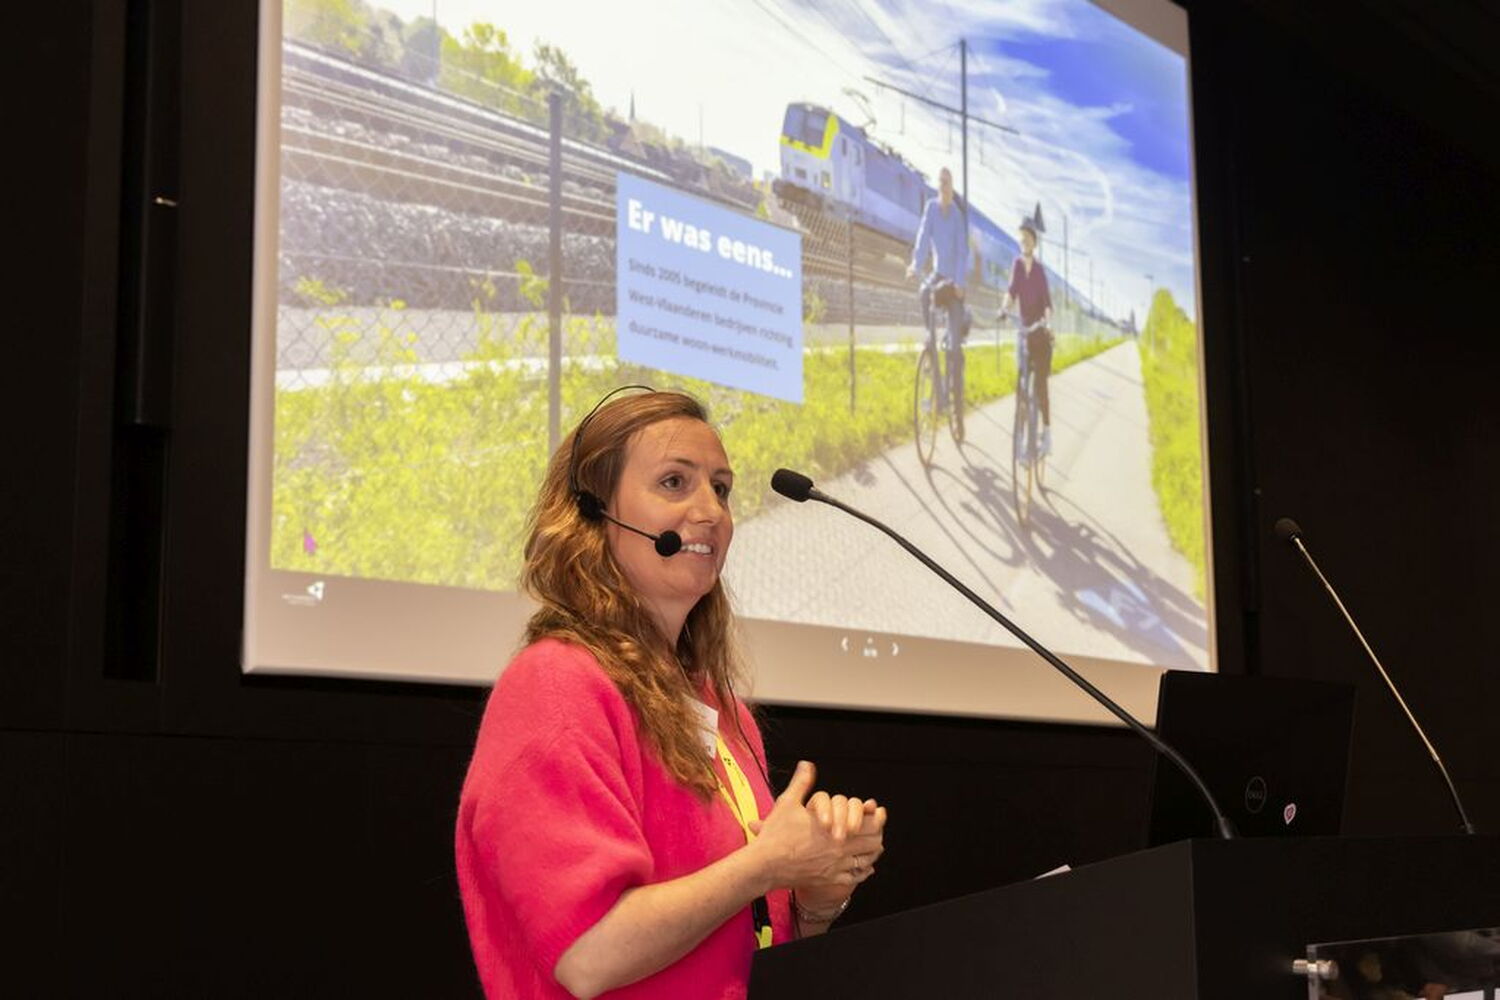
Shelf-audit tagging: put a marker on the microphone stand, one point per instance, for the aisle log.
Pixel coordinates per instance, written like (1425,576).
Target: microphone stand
(1293,534)
(1222,824)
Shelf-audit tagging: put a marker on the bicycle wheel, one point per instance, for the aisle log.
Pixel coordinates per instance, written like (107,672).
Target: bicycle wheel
(925,416)
(956,397)
(1020,457)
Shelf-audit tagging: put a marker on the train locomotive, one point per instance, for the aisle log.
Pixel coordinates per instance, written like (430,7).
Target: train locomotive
(832,165)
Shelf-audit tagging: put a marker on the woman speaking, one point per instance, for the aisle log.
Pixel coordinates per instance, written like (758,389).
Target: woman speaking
(617,833)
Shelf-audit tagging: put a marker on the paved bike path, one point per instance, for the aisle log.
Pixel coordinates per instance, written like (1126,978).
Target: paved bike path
(1091,572)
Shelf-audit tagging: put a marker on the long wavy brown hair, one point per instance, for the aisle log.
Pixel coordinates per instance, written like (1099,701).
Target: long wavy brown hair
(585,598)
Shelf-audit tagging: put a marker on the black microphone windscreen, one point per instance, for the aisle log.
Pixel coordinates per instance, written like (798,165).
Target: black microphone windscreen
(792,485)
(668,543)
(1286,529)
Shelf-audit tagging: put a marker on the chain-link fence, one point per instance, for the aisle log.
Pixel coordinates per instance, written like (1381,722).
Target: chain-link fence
(446,302)
(427,217)
(446,309)
(424,216)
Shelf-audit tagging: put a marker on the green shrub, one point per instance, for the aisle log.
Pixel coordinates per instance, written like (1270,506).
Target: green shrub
(1169,366)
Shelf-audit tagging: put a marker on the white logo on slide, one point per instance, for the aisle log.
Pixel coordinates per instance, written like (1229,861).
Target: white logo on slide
(1289,813)
(309,598)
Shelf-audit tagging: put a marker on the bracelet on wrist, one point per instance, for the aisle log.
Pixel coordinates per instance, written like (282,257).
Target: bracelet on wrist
(815,916)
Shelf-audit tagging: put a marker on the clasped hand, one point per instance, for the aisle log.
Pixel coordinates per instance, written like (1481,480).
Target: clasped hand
(821,846)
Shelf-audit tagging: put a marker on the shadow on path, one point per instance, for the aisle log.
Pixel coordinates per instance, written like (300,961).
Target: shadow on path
(1097,577)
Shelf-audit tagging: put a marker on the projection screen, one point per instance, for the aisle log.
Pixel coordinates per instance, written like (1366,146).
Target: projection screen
(728,196)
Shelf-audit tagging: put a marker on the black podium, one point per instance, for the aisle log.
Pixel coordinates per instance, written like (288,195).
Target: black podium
(1220,920)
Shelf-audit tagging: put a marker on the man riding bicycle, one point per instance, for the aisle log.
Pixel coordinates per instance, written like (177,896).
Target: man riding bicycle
(1028,290)
(943,237)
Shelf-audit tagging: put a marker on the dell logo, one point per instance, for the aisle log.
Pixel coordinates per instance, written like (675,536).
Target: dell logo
(1255,794)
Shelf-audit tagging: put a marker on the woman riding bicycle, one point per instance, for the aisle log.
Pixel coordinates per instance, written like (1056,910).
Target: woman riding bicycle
(1028,290)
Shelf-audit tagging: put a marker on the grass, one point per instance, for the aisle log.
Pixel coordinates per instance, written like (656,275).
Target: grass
(1169,366)
(395,478)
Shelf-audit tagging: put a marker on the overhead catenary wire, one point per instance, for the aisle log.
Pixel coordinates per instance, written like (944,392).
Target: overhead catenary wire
(770,9)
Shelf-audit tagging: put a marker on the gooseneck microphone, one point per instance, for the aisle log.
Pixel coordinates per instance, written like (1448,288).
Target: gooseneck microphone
(795,486)
(1289,531)
(591,508)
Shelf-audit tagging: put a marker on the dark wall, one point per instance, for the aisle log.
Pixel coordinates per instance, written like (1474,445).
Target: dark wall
(1360,297)
(174,829)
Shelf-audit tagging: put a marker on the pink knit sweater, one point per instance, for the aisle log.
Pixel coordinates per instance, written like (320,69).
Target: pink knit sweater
(564,808)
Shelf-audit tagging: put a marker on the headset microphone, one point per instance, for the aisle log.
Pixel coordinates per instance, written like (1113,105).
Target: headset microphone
(668,543)
(591,508)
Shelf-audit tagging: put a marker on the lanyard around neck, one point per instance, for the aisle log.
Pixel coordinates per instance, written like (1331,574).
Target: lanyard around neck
(742,803)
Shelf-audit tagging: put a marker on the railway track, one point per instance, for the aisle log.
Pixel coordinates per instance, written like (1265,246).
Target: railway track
(346,126)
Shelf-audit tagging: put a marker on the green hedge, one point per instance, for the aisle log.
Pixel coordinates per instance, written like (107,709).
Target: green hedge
(1169,366)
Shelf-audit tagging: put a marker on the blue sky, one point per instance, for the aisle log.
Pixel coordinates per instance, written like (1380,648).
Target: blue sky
(1101,110)
(1112,65)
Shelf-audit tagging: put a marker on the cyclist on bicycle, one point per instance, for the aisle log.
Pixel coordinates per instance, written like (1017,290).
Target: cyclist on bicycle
(943,237)
(1028,290)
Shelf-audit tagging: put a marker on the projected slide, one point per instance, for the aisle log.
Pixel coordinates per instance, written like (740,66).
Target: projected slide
(940,258)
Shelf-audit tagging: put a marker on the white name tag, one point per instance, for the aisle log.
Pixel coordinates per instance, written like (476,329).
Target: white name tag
(709,733)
